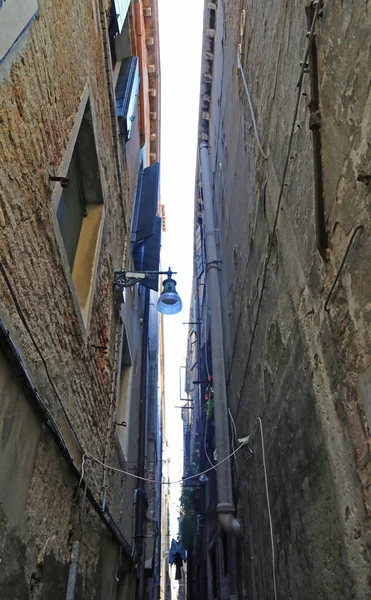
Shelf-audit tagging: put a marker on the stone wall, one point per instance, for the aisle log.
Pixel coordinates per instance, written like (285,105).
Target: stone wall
(297,353)
(58,61)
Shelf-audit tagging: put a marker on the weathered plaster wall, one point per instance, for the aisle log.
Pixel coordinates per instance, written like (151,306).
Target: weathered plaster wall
(305,371)
(36,493)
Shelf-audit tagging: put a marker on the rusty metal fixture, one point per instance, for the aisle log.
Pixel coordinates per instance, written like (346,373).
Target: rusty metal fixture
(315,127)
(64,181)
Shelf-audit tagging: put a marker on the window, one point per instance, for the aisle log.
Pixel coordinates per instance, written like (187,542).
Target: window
(119,31)
(146,225)
(118,10)
(127,89)
(15,17)
(80,211)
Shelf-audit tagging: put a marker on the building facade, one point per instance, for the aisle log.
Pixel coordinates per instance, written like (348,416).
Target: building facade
(285,121)
(79,200)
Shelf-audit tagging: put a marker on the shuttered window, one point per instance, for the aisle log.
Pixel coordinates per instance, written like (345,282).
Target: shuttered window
(146,255)
(145,209)
(126,91)
(121,7)
(146,226)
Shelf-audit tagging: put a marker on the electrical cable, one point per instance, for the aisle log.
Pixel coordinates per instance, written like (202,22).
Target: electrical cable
(207,303)
(88,455)
(265,156)
(358,228)
(27,327)
(280,196)
(269,509)
(234,436)
(206,453)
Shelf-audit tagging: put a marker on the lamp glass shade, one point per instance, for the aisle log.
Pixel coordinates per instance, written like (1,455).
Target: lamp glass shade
(169,303)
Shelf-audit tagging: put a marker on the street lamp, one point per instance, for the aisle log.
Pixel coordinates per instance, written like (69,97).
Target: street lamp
(169,302)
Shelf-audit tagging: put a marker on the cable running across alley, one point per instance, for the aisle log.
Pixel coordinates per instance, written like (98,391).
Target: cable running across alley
(87,455)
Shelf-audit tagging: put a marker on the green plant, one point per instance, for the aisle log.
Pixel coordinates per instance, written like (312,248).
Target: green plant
(208,408)
(188,525)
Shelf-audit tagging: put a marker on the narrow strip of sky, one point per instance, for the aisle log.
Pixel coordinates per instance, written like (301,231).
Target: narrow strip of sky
(180,47)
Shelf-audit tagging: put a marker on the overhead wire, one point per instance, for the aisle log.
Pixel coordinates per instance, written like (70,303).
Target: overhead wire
(269,509)
(264,155)
(234,436)
(87,455)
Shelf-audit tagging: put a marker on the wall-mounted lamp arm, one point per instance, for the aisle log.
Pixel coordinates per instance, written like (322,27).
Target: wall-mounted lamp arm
(123,279)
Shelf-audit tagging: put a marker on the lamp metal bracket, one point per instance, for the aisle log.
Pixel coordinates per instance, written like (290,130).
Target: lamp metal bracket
(124,279)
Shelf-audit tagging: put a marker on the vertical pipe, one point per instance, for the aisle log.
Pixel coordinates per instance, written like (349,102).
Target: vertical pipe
(112,107)
(72,573)
(315,126)
(198,347)
(140,504)
(115,386)
(225,505)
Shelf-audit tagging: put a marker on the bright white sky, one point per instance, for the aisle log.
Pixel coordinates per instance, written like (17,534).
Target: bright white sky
(180,47)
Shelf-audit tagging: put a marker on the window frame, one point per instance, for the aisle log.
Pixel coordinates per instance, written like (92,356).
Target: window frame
(56,197)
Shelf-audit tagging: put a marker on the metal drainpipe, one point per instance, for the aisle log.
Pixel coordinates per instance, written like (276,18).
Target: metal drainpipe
(139,34)
(72,573)
(225,506)
(115,136)
(115,386)
(198,348)
(112,105)
(140,508)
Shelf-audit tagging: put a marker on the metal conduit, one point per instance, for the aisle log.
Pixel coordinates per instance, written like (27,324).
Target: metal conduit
(225,506)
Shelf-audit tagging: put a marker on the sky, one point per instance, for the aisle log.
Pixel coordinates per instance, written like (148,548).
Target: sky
(180,26)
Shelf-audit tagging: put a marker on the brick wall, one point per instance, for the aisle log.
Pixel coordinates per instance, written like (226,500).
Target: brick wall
(41,87)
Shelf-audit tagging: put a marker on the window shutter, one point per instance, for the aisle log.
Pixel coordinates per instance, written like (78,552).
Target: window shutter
(144,219)
(121,7)
(146,255)
(126,94)
(113,31)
